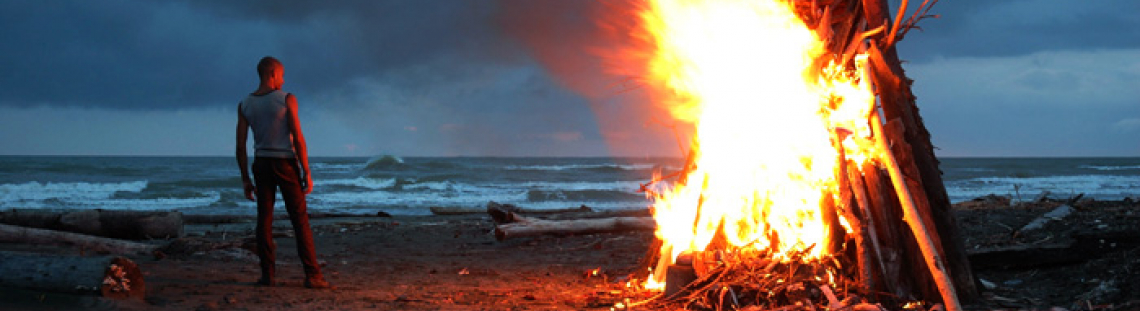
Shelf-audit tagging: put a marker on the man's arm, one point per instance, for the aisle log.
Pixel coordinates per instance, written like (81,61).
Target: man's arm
(299,142)
(242,158)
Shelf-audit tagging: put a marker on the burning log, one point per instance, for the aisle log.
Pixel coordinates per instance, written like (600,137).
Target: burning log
(921,233)
(107,276)
(17,234)
(527,226)
(901,243)
(130,225)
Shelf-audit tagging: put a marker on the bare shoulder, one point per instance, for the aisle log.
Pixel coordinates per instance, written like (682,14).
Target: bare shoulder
(291,100)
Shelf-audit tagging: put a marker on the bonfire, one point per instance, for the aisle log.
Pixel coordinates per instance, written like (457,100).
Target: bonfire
(810,181)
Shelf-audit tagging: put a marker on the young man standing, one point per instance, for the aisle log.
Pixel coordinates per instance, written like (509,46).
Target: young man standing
(281,160)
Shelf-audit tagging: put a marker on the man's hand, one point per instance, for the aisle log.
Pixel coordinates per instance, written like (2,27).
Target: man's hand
(249,190)
(308,183)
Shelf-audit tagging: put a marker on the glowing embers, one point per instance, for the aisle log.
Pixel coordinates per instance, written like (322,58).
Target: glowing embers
(722,279)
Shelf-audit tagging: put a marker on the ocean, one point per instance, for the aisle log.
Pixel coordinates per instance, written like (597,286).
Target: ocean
(410,186)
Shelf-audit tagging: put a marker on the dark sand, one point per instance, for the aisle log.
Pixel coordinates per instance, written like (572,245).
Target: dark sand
(454,263)
(408,263)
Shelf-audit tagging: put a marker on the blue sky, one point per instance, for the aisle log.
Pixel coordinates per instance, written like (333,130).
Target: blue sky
(510,78)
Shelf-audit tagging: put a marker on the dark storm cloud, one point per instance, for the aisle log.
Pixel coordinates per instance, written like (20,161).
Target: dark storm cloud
(406,77)
(510,77)
(170,55)
(985,28)
(109,53)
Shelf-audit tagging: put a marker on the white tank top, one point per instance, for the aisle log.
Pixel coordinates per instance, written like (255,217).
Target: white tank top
(268,116)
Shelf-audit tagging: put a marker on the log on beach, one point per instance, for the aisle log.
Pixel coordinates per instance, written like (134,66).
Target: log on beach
(131,225)
(1083,245)
(219,219)
(17,234)
(526,226)
(461,210)
(107,276)
(239,219)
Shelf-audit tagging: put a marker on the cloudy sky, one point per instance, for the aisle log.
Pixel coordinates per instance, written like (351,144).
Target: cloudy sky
(511,77)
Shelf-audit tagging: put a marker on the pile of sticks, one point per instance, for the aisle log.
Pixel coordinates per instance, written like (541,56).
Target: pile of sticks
(753,280)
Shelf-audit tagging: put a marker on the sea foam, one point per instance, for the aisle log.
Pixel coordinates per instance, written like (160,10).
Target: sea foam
(1098,186)
(1111,167)
(54,190)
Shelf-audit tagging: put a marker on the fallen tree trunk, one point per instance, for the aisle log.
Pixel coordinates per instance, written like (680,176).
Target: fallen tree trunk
(461,210)
(131,225)
(527,226)
(1058,213)
(1082,246)
(17,234)
(598,214)
(1025,256)
(107,276)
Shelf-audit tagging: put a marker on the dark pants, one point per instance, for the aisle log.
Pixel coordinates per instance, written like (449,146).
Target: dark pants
(270,174)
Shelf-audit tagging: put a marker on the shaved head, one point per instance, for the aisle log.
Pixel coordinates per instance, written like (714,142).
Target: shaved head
(267,66)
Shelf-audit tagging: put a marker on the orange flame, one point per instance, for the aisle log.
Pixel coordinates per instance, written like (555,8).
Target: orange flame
(746,74)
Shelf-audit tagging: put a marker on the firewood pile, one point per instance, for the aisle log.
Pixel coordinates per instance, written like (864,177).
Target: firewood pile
(903,244)
(754,281)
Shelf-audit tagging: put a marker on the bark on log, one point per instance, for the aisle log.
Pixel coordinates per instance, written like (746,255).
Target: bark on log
(17,234)
(921,165)
(107,276)
(526,226)
(131,225)
(912,214)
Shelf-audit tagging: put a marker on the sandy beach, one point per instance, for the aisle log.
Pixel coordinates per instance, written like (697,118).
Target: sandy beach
(455,263)
(419,263)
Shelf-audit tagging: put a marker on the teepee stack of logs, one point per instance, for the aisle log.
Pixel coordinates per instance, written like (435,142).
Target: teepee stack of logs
(904,239)
(917,172)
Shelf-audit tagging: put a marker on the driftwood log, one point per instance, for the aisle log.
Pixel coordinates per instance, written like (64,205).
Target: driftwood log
(527,226)
(505,213)
(237,219)
(107,276)
(130,225)
(1081,246)
(17,234)
(461,210)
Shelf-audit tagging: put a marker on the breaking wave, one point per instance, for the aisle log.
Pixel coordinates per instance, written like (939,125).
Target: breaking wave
(382,162)
(1111,168)
(584,167)
(1099,186)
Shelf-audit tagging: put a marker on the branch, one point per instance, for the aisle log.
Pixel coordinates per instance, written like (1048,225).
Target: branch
(923,12)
